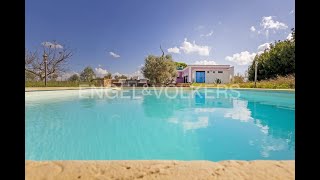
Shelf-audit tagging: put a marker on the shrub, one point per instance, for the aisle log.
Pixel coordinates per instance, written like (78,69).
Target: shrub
(54,84)
(280,82)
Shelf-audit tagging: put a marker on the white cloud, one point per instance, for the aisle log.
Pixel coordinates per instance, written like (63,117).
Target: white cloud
(137,74)
(114,54)
(268,23)
(120,74)
(188,47)
(267,33)
(207,35)
(116,74)
(289,37)
(100,72)
(174,50)
(253,29)
(52,45)
(245,57)
(262,47)
(205,62)
(291,12)
(242,58)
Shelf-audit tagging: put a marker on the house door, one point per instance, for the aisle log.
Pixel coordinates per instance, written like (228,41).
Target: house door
(200,76)
(185,79)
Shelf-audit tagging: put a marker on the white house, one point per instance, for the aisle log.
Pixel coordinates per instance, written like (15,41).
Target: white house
(205,74)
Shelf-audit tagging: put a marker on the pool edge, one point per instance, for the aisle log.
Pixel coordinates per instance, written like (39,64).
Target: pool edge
(31,89)
(160,169)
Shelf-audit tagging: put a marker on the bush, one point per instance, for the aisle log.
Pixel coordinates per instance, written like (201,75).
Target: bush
(238,79)
(280,82)
(218,81)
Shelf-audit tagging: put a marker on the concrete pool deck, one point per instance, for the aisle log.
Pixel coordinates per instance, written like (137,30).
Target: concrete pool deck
(160,169)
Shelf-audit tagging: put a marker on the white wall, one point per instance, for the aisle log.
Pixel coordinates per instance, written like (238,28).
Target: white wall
(224,77)
(231,73)
(193,76)
(211,77)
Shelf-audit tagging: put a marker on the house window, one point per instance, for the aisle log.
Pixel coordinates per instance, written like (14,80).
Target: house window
(213,72)
(220,71)
(208,71)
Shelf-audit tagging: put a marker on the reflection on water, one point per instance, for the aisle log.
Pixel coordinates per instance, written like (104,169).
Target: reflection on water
(275,125)
(202,122)
(239,111)
(158,107)
(193,126)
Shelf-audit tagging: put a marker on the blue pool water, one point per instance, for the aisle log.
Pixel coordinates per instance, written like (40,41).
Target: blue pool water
(127,125)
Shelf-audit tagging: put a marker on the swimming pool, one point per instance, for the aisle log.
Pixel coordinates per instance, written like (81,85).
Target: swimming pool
(135,125)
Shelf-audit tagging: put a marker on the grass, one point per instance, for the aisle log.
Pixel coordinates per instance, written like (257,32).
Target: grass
(287,82)
(53,84)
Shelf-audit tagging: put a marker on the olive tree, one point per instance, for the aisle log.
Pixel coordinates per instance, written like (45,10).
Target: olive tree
(120,77)
(74,78)
(87,74)
(159,69)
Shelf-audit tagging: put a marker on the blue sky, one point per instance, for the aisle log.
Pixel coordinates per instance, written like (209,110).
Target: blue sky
(203,31)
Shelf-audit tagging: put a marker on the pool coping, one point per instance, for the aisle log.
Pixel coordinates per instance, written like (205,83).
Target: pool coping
(31,89)
(160,169)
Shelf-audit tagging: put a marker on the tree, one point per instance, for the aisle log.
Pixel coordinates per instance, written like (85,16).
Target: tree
(123,77)
(293,33)
(53,77)
(30,76)
(159,69)
(74,78)
(278,60)
(57,58)
(180,65)
(108,76)
(87,74)
(120,77)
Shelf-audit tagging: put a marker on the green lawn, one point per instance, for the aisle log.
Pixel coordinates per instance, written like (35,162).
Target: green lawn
(51,84)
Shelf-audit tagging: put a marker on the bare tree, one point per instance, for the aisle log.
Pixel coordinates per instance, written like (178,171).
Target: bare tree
(162,51)
(57,58)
